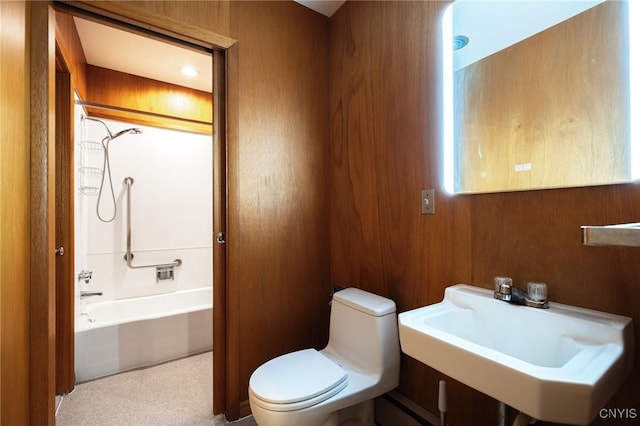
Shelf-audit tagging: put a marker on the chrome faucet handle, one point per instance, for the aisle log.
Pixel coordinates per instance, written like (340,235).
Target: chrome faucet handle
(85,276)
(537,295)
(502,288)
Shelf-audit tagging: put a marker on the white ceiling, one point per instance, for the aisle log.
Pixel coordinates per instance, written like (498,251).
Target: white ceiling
(130,53)
(326,7)
(111,48)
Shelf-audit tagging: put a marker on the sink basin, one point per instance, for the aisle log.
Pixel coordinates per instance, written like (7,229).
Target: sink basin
(560,364)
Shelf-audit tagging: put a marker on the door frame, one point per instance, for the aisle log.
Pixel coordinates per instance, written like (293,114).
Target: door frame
(42,332)
(225,99)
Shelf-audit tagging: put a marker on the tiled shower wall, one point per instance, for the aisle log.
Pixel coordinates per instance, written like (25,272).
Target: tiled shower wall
(171,209)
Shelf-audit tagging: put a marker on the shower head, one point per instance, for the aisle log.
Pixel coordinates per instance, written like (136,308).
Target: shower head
(133,131)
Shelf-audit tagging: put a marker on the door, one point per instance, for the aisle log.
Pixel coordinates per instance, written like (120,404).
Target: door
(42,311)
(64,277)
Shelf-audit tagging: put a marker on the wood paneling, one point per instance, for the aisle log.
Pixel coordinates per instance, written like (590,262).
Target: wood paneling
(42,212)
(278,185)
(552,97)
(385,123)
(205,21)
(14,215)
(192,108)
(221,137)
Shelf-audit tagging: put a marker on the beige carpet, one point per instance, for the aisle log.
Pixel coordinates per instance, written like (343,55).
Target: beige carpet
(178,393)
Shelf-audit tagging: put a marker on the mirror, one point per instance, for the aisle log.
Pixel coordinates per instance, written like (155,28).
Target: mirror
(540,97)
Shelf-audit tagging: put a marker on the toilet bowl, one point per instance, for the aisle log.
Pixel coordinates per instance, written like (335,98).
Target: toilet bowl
(334,386)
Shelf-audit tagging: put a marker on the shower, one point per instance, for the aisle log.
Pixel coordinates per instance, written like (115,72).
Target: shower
(106,166)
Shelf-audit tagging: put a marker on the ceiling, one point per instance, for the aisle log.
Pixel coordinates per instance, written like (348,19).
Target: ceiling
(130,53)
(119,50)
(326,7)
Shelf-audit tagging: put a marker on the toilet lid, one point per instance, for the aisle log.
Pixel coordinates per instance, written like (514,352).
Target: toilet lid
(297,376)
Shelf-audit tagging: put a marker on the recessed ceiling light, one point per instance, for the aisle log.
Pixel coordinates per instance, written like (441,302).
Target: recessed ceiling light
(189,71)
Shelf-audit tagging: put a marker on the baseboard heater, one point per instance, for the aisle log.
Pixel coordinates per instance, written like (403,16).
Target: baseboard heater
(395,409)
(391,409)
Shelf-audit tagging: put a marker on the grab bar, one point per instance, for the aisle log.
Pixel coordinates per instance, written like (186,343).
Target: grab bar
(129,255)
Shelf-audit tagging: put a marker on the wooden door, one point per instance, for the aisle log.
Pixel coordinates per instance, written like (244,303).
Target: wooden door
(42,333)
(65,375)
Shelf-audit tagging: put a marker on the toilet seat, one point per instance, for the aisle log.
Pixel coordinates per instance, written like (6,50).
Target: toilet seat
(296,380)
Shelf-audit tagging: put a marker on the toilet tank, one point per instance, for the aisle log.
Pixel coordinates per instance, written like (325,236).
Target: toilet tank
(364,333)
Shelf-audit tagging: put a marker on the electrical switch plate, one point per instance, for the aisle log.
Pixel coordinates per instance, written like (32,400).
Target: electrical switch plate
(428,201)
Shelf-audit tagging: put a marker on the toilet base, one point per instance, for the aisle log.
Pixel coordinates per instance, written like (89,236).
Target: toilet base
(357,415)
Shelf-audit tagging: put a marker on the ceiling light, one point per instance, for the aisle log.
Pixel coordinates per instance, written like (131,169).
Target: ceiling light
(189,71)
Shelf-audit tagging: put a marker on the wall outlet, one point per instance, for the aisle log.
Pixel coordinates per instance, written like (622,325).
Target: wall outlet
(428,201)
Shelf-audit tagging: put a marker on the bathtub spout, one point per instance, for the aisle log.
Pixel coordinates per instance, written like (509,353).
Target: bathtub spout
(85,294)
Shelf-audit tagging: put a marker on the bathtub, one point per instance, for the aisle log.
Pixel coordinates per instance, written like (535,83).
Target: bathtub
(120,335)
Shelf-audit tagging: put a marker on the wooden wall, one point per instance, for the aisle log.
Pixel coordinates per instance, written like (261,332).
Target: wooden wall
(287,187)
(385,130)
(278,183)
(124,95)
(69,47)
(14,215)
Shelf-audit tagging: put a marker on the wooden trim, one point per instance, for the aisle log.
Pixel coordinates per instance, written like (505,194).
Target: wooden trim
(145,118)
(245,408)
(145,101)
(219,159)
(232,393)
(69,50)
(42,279)
(92,105)
(134,15)
(65,374)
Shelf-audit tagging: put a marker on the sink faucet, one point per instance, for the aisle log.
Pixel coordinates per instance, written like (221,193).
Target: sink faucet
(85,294)
(535,297)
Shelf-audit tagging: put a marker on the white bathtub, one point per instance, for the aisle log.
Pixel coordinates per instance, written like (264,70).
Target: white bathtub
(121,335)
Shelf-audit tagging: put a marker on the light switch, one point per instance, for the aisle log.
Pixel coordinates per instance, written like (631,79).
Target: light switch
(428,201)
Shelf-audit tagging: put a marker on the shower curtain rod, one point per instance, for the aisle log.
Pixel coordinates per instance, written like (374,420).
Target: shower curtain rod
(134,111)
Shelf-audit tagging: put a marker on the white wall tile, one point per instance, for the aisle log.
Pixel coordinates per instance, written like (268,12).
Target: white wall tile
(171,211)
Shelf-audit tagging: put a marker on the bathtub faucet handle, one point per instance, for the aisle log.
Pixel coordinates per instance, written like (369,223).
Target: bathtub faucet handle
(85,276)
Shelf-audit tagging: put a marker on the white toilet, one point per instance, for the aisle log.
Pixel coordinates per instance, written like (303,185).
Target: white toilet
(334,386)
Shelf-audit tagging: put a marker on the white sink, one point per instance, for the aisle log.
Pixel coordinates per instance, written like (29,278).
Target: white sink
(560,364)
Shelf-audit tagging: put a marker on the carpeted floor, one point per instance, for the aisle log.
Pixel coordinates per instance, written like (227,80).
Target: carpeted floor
(178,393)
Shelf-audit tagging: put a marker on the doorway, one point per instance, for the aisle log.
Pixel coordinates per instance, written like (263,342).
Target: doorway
(65,322)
